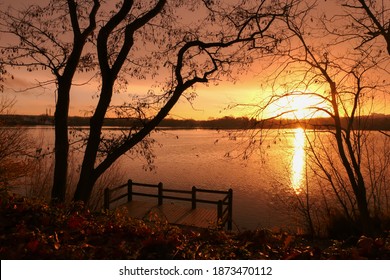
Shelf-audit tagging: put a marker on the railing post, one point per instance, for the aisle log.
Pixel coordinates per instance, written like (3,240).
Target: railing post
(193,199)
(106,199)
(219,213)
(160,193)
(230,210)
(129,190)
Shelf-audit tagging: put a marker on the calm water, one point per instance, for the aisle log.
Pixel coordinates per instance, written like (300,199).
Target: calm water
(213,159)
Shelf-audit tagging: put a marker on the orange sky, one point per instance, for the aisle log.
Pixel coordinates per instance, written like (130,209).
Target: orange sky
(212,100)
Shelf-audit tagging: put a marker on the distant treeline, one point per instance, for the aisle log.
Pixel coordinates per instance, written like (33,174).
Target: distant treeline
(372,122)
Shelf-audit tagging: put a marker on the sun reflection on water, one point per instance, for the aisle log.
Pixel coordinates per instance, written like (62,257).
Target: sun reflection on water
(298,161)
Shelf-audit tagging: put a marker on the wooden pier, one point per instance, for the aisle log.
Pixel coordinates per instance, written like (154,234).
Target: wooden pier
(188,213)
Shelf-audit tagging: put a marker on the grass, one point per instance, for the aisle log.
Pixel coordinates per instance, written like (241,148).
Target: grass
(33,229)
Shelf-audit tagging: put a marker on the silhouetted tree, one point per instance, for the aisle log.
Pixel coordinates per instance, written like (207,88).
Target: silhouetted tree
(13,146)
(341,83)
(368,20)
(134,39)
(2,74)
(192,54)
(52,37)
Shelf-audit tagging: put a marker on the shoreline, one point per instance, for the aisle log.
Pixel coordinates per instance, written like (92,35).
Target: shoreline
(368,123)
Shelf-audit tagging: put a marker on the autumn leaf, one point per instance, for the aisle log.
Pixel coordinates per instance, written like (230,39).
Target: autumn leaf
(32,246)
(287,241)
(75,222)
(57,245)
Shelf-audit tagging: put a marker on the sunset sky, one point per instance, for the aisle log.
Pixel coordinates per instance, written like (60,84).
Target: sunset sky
(212,100)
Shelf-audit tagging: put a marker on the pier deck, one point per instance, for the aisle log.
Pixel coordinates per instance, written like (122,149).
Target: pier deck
(175,214)
(182,213)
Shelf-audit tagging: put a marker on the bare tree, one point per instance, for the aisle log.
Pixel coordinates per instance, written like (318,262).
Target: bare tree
(369,20)
(368,26)
(2,74)
(13,146)
(343,85)
(194,55)
(52,37)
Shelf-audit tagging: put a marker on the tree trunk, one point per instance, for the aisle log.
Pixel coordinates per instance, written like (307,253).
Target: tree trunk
(88,176)
(61,144)
(365,219)
(352,168)
(86,182)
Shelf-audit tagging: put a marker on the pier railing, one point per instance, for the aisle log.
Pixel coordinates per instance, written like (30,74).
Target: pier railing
(224,205)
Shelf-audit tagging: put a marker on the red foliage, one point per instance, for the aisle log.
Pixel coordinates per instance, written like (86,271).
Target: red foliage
(76,222)
(31,229)
(32,246)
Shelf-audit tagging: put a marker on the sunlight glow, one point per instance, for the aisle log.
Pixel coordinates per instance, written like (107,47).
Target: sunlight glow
(300,105)
(298,161)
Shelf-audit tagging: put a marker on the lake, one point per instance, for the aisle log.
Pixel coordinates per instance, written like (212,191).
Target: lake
(215,159)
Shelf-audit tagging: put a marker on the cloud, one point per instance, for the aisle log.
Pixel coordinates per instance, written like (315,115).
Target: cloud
(17,84)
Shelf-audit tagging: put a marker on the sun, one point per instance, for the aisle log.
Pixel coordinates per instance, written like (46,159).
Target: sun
(300,105)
